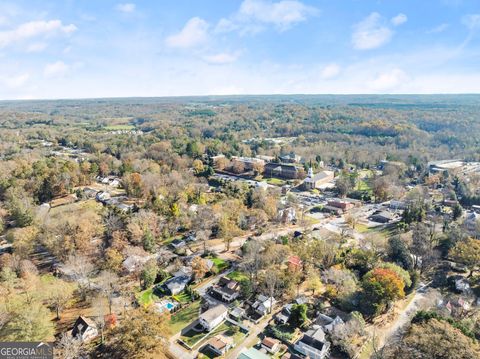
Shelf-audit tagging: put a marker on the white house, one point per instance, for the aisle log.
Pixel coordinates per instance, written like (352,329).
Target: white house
(84,329)
(313,344)
(227,290)
(270,345)
(263,304)
(213,317)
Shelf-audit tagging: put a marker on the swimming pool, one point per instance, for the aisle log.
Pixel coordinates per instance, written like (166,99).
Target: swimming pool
(165,305)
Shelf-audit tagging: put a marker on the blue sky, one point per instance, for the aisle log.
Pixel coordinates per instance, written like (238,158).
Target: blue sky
(102,48)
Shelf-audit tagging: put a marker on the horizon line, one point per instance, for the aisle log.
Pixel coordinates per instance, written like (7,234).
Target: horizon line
(239,95)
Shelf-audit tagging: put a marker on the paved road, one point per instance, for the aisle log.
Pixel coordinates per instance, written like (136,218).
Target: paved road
(395,329)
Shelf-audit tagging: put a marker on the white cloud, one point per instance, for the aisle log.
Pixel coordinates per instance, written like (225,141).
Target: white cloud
(254,15)
(56,69)
(282,14)
(330,71)
(438,29)
(472,21)
(371,33)
(194,33)
(126,8)
(389,79)
(222,58)
(399,19)
(14,82)
(36,47)
(35,29)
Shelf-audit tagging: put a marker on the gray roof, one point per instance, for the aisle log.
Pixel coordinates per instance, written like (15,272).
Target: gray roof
(214,312)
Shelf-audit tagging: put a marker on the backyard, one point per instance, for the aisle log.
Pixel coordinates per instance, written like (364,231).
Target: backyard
(184,317)
(238,276)
(194,339)
(219,263)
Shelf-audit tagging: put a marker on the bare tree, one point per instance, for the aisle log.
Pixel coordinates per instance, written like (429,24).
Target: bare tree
(272,282)
(81,268)
(108,282)
(69,347)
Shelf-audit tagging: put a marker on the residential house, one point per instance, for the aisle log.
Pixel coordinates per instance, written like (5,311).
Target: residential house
(89,192)
(176,285)
(334,210)
(237,313)
(102,196)
(284,316)
(124,207)
(213,317)
(313,344)
(227,290)
(472,222)
(252,353)
(290,158)
(84,329)
(263,304)
(270,345)
(177,243)
(382,217)
(110,181)
(314,181)
(328,323)
(284,171)
(183,271)
(397,205)
(134,262)
(220,344)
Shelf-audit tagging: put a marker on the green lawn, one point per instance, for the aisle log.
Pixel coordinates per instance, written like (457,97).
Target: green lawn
(363,185)
(147,297)
(119,128)
(183,298)
(238,276)
(219,263)
(194,339)
(184,316)
(361,228)
(275,181)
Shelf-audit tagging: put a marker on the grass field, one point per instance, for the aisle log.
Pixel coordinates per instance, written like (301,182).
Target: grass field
(193,338)
(219,263)
(184,317)
(238,276)
(74,207)
(147,297)
(275,181)
(119,128)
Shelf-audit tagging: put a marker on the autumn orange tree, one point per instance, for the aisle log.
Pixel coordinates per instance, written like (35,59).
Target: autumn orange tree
(381,286)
